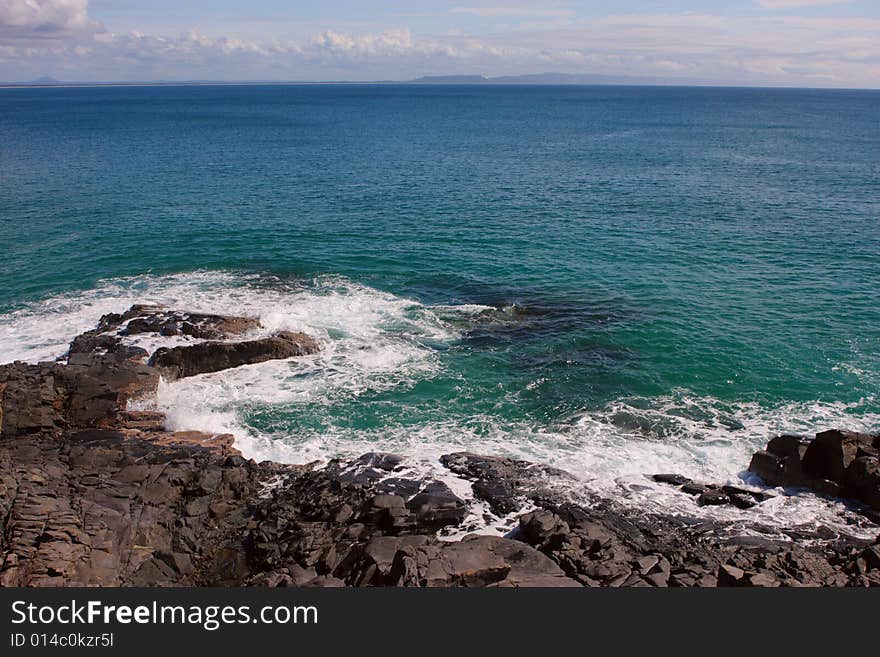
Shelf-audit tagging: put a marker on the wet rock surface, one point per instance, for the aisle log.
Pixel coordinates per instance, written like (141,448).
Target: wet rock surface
(214,356)
(505,484)
(93,494)
(834,463)
(707,494)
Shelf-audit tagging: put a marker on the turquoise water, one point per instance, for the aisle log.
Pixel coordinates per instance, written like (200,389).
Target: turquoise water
(592,275)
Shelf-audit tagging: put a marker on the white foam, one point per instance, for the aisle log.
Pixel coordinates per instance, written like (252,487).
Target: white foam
(43,330)
(606,460)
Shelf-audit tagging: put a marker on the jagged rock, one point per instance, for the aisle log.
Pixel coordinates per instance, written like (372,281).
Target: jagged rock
(730,575)
(831,452)
(741,501)
(756,495)
(28,398)
(388,512)
(477,561)
(375,568)
(155,319)
(674,479)
(780,464)
(406,488)
(381,460)
(862,480)
(179,362)
(695,488)
(503,482)
(768,467)
(97,387)
(788,445)
(835,463)
(712,498)
(871,556)
(543,528)
(93,494)
(437,506)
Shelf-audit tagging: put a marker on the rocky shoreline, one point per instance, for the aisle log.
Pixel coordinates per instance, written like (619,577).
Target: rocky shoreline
(94,494)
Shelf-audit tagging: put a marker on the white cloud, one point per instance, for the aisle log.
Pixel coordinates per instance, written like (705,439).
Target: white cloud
(35,18)
(57,37)
(797,4)
(385,43)
(512,12)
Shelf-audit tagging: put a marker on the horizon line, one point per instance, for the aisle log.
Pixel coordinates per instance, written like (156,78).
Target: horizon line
(417,83)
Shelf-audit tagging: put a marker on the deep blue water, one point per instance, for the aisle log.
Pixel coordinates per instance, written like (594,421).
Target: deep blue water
(654,259)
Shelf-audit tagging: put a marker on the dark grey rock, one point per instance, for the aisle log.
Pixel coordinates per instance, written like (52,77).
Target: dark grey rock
(179,362)
(712,498)
(437,506)
(674,479)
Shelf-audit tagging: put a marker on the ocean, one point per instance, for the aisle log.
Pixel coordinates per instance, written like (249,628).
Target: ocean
(613,280)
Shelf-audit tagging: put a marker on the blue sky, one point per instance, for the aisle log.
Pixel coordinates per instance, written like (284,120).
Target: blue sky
(764,42)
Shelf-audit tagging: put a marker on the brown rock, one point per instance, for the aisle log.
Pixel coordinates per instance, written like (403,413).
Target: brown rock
(831,453)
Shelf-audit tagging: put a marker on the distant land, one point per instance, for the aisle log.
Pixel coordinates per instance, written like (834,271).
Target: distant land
(583,79)
(556,78)
(43,82)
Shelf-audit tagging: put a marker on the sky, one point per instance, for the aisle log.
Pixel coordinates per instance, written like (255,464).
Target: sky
(814,43)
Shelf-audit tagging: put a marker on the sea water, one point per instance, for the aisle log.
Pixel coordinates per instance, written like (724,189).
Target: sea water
(612,280)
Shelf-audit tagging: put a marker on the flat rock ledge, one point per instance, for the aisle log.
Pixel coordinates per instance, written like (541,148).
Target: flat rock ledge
(203,357)
(92,494)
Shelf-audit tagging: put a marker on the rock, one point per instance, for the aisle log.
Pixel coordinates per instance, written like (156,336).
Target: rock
(477,561)
(835,463)
(741,501)
(527,566)
(768,467)
(94,494)
(674,479)
(788,446)
(92,343)
(406,488)
(381,460)
(647,563)
(756,495)
(468,563)
(389,513)
(862,480)
(826,487)
(712,498)
(97,388)
(543,528)
(179,362)
(379,556)
(658,579)
(831,452)
(499,493)
(762,580)
(871,556)
(154,319)
(503,482)
(437,506)
(694,488)
(730,575)
(28,395)
(780,464)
